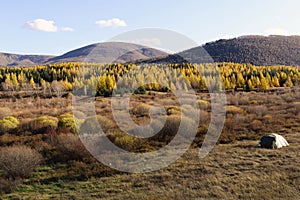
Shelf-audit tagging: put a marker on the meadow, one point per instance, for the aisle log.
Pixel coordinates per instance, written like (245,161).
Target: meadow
(38,124)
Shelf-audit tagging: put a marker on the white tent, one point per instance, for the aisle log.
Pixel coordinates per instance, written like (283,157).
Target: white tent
(273,141)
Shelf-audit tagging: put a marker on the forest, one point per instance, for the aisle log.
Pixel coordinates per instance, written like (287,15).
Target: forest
(104,80)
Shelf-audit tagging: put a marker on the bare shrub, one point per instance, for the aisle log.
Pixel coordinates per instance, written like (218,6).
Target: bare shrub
(297,107)
(204,117)
(19,161)
(238,99)
(233,100)
(91,125)
(256,125)
(227,137)
(288,97)
(171,127)
(8,184)
(142,110)
(69,147)
(259,111)
(240,118)
(243,100)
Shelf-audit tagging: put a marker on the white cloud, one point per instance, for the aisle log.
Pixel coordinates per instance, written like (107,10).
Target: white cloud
(42,25)
(115,22)
(45,25)
(276,31)
(67,29)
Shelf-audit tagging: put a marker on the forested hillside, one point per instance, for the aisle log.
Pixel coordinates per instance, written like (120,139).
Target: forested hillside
(257,50)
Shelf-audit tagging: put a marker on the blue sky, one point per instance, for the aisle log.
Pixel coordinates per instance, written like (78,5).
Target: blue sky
(54,27)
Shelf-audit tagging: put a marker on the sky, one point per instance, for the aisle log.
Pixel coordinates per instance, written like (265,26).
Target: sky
(53,27)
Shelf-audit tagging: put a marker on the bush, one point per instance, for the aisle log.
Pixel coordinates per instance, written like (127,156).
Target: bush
(140,90)
(227,137)
(68,121)
(202,129)
(40,124)
(256,125)
(259,111)
(126,141)
(234,110)
(91,125)
(7,184)
(69,147)
(203,104)
(8,123)
(47,121)
(142,110)
(173,110)
(19,161)
(171,127)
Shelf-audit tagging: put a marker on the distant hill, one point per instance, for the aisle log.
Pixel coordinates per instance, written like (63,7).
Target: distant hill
(194,55)
(256,50)
(7,59)
(107,52)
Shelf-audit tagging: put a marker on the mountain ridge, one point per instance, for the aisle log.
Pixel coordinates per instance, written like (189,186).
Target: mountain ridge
(252,49)
(257,50)
(9,59)
(107,52)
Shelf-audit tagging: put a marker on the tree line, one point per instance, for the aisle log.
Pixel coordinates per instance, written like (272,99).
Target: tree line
(104,79)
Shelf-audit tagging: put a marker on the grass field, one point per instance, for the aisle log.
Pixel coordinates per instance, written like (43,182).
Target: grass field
(235,169)
(230,171)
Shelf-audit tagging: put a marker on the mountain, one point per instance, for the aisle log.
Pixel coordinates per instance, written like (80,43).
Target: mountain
(108,52)
(256,50)
(7,59)
(194,55)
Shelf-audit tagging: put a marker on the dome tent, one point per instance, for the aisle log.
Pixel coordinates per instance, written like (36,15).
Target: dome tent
(273,141)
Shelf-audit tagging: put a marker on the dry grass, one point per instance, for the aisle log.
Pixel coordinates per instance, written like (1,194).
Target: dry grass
(235,169)
(230,171)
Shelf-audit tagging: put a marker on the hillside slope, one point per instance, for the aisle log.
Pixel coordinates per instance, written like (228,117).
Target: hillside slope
(257,50)
(7,59)
(107,52)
